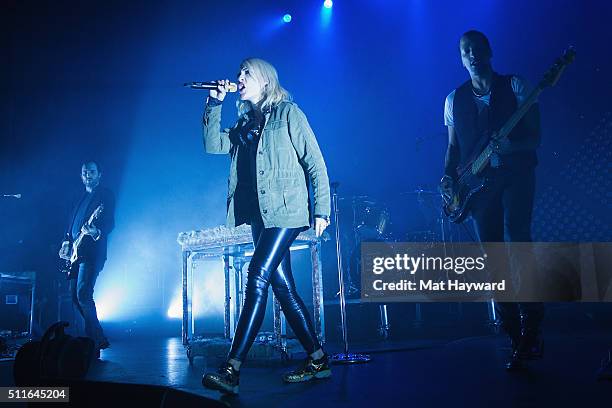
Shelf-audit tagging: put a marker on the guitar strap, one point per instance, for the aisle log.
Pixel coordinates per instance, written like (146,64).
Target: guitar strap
(82,212)
(485,121)
(75,211)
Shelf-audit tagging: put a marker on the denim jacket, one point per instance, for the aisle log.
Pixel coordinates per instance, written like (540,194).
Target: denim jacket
(288,157)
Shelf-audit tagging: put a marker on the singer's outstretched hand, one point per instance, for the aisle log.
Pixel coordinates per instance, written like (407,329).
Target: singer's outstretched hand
(222,89)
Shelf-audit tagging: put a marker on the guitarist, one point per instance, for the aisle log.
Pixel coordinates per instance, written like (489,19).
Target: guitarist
(502,211)
(92,251)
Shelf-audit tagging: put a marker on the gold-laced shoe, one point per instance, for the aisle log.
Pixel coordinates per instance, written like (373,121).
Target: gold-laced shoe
(310,369)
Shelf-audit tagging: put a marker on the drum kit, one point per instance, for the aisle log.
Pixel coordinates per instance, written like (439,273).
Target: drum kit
(410,216)
(372,221)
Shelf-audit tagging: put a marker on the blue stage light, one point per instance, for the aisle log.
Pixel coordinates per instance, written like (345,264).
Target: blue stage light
(326,13)
(287,18)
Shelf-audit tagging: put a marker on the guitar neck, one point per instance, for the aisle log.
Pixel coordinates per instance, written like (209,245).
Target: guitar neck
(519,113)
(483,158)
(79,238)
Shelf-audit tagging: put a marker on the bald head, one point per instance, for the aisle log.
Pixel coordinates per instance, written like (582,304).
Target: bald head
(475,52)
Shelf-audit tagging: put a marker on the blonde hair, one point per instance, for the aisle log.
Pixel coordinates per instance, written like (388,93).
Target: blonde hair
(272,94)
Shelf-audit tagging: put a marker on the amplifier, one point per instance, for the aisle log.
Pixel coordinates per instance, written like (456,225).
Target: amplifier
(17,291)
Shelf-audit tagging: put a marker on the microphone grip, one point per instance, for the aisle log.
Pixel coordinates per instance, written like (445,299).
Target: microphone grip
(209,85)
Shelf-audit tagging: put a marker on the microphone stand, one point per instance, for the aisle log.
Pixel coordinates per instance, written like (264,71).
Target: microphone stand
(346,357)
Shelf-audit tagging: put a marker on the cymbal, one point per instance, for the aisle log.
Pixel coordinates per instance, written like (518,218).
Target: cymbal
(421,191)
(365,200)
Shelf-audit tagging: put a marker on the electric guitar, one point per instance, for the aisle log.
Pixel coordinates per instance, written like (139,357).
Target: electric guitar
(72,256)
(470,180)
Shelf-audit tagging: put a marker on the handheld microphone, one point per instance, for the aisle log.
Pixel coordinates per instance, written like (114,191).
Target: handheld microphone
(209,85)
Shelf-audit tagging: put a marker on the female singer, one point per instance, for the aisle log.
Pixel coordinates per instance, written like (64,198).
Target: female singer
(274,154)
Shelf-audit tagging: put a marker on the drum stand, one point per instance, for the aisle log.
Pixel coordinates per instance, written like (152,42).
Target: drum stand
(346,357)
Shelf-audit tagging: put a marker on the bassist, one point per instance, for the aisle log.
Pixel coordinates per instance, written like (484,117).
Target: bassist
(502,210)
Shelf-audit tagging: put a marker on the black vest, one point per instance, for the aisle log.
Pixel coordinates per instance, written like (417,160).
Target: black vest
(471,127)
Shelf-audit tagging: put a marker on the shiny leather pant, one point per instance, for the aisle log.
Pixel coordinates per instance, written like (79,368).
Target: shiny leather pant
(271,265)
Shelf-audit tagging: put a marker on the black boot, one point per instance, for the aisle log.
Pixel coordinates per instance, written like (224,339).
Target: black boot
(516,362)
(311,369)
(605,372)
(532,345)
(226,379)
(529,346)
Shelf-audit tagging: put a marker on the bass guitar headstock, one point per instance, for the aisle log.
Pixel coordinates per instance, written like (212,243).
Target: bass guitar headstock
(551,77)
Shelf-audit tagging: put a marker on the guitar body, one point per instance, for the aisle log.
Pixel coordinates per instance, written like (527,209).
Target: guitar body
(70,264)
(69,269)
(458,208)
(72,258)
(74,252)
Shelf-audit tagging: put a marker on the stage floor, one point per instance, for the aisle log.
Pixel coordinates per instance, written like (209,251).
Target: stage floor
(463,372)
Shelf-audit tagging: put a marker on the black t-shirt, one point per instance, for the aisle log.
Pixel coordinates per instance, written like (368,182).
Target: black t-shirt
(246,201)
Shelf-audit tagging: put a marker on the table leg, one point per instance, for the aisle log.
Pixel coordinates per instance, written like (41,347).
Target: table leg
(226,303)
(317,291)
(185,326)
